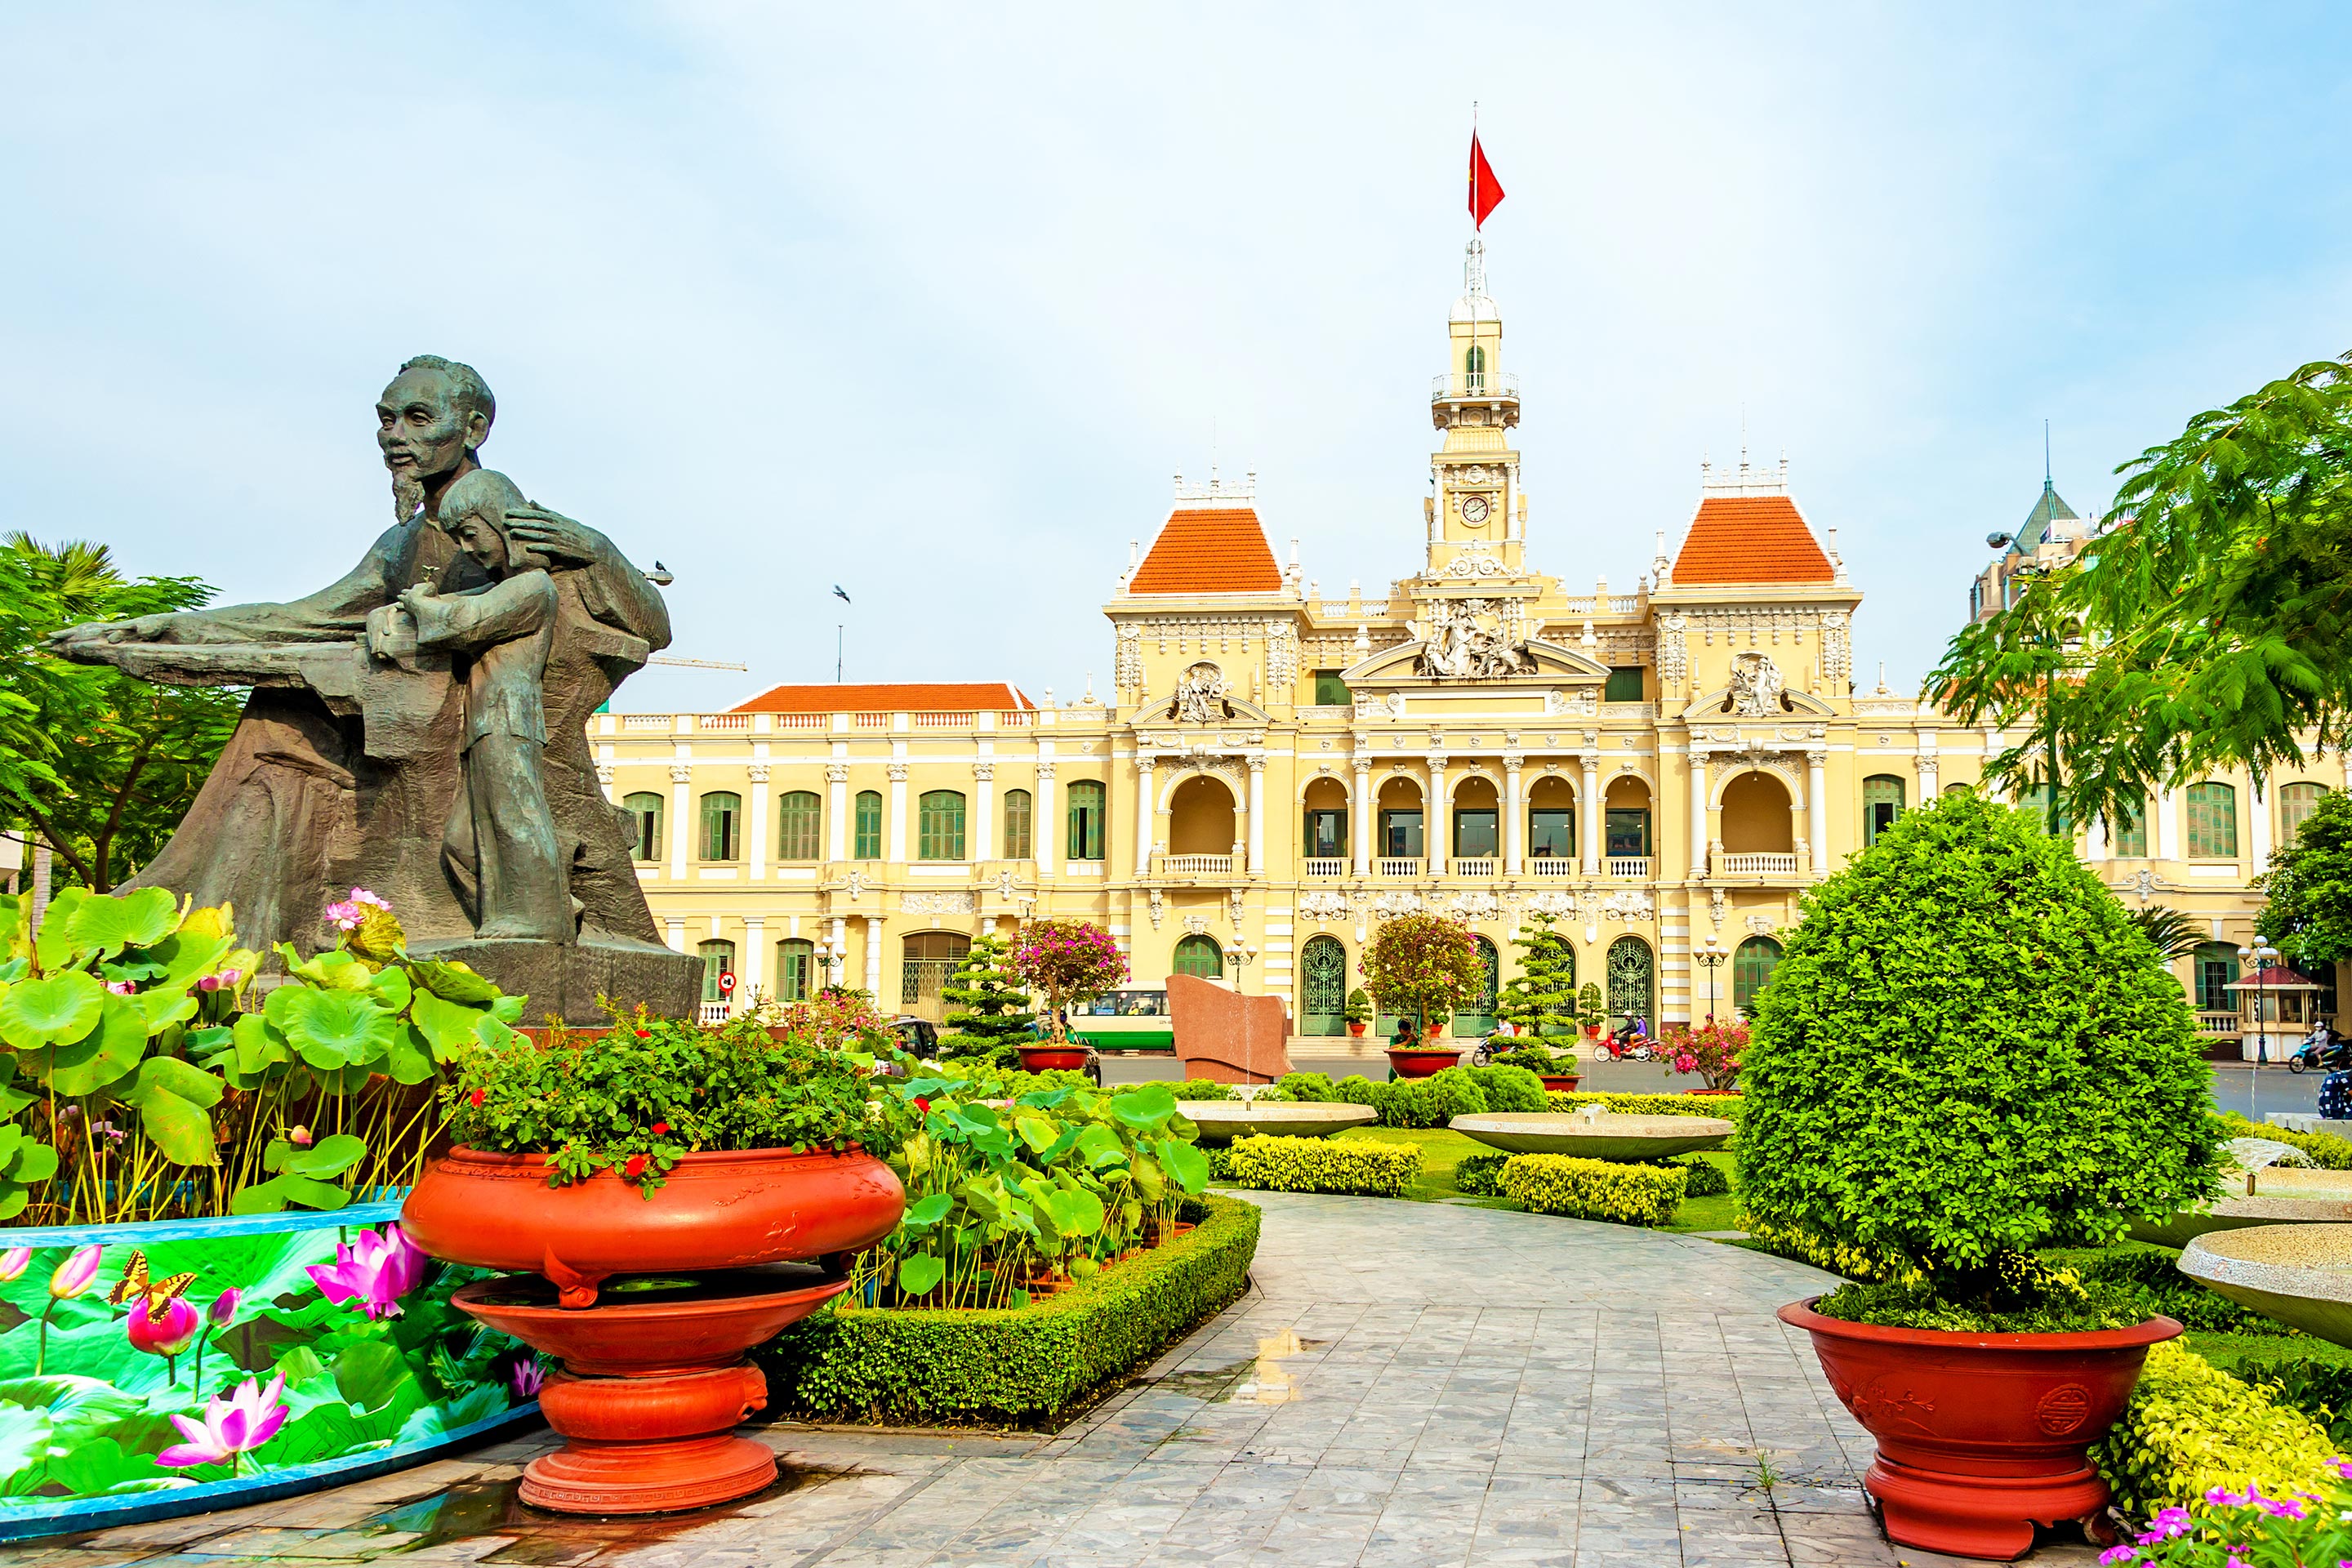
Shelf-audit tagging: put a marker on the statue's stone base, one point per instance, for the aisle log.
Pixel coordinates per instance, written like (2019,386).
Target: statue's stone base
(564,982)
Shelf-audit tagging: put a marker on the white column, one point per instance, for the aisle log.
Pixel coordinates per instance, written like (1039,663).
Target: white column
(604,783)
(895,850)
(681,814)
(1256,816)
(759,854)
(1588,802)
(1925,766)
(983,796)
(873,957)
(678,936)
(1698,834)
(2095,840)
(1045,826)
(1514,813)
(2168,826)
(750,964)
(1361,807)
(836,811)
(1143,799)
(1435,822)
(1817,809)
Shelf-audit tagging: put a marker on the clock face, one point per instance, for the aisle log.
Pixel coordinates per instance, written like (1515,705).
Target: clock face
(1474,510)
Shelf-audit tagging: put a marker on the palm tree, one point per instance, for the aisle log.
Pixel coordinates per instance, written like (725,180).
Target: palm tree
(2176,935)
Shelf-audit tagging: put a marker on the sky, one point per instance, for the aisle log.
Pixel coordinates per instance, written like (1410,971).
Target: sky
(931,301)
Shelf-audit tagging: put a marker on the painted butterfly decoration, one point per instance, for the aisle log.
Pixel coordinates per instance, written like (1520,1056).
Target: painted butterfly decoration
(159,1293)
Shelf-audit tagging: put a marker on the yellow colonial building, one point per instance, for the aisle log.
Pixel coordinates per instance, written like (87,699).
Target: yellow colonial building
(1664,763)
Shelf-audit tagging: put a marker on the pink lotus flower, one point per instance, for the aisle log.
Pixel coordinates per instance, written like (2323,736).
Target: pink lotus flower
(123,987)
(169,1336)
(14,1261)
(363,897)
(232,1427)
(529,1377)
(224,1307)
(77,1273)
(224,981)
(343,915)
(374,1270)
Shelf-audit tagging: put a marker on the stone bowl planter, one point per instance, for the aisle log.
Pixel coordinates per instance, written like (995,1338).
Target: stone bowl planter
(2300,1274)
(1607,1137)
(1222,1120)
(1423,1062)
(2242,1213)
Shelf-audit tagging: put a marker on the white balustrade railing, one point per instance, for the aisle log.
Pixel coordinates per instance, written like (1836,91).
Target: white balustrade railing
(1474,864)
(942,720)
(713,1012)
(802,720)
(644,721)
(1473,384)
(2217,1022)
(1398,866)
(1552,865)
(1756,865)
(1197,865)
(1624,604)
(719,722)
(1323,865)
(1629,865)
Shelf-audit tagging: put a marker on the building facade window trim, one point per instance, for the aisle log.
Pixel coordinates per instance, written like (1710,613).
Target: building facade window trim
(722,819)
(800,826)
(940,824)
(2213,809)
(1088,813)
(644,809)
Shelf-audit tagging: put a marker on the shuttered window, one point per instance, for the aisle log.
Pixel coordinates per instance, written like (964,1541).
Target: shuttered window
(2212,822)
(799,817)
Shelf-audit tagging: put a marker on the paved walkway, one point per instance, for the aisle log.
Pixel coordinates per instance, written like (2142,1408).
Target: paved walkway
(1389,1395)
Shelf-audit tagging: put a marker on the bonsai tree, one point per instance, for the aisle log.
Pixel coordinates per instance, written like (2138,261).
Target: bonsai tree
(1421,964)
(1359,1007)
(1069,960)
(1968,1051)
(991,1007)
(1590,1011)
(1541,999)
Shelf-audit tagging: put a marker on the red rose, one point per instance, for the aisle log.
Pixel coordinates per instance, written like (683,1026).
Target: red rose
(661,1129)
(634,1168)
(476,1096)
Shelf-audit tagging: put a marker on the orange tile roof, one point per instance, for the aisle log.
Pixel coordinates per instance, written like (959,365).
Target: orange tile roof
(1210,550)
(1750,539)
(888,697)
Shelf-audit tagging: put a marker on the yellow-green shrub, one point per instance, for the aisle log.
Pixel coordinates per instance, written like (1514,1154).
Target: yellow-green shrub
(2326,1150)
(1321,1166)
(1824,1252)
(1725,1106)
(1593,1189)
(2191,1427)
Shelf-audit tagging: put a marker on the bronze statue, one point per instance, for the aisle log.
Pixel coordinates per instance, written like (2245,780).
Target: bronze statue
(350,766)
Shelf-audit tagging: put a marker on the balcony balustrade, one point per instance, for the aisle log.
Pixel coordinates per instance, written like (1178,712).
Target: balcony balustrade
(1398,866)
(1323,866)
(1197,865)
(1476,864)
(1755,865)
(1636,865)
(1553,866)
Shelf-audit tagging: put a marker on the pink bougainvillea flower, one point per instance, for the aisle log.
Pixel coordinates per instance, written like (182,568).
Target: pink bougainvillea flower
(236,1424)
(12,1262)
(2127,1552)
(529,1376)
(77,1273)
(374,1270)
(169,1335)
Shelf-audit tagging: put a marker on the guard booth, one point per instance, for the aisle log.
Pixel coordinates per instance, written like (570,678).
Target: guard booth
(2276,1007)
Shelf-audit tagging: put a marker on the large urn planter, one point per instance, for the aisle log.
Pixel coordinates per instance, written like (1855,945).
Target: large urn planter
(654,1377)
(1981,1437)
(1053,1058)
(1561,1082)
(1422,1061)
(310,1350)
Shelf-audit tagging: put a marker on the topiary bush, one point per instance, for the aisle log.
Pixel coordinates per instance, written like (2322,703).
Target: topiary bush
(1969,1050)
(1309,1087)
(1325,1165)
(1431,1102)
(1593,1189)
(1480,1175)
(1727,1107)
(1203,1089)
(1508,1088)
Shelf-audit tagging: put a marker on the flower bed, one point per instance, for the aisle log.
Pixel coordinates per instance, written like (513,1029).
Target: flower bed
(1013,1364)
(268,1356)
(1321,1166)
(1593,1189)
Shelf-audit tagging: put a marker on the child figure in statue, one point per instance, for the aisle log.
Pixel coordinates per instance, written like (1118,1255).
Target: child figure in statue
(500,843)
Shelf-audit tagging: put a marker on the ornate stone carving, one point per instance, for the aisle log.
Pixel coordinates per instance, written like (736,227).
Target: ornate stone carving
(855,886)
(1761,925)
(1004,886)
(1233,896)
(1673,648)
(897,772)
(1559,905)
(1128,667)
(983,772)
(1629,904)
(1465,640)
(1756,687)
(682,773)
(1837,651)
(1475,906)
(1577,704)
(1396,901)
(1045,768)
(1323,905)
(1467,565)
(938,901)
(1201,696)
(1198,925)
(1156,905)
(604,774)
(1716,905)
(837,773)
(759,772)
(1281,652)
(1381,705)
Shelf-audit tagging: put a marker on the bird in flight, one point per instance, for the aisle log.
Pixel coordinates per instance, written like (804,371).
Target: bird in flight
(839,595)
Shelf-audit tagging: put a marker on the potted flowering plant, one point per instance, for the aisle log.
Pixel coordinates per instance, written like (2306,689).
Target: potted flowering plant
(1417,965)
(1069,960)
(1357,1011)
(1711,1050)
(1927,1103)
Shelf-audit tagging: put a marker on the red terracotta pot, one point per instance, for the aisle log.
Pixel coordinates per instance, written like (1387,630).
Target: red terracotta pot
(1052,1059)
(715,1211)
(1356,1030)
(1981,1437)
(1732,1092)
(1562,1083)
(1420,1061)
(652,1389)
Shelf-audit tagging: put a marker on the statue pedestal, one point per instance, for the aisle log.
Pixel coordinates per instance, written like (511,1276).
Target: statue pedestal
(564,981)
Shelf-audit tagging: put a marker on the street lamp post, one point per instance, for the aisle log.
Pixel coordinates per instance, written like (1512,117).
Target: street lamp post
(2261,956)
(1712,954)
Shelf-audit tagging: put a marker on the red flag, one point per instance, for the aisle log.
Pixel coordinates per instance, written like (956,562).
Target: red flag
(1485,191)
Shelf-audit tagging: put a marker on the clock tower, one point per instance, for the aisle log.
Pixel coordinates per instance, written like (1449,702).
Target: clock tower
(1476,513)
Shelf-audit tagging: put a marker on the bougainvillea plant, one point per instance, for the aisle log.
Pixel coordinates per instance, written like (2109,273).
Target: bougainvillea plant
(1422,964)
(1069,960)
(1711,1050)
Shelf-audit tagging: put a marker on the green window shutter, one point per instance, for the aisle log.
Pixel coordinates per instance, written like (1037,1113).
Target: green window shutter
(1882,803)
(1086,820)
(2131,835)
(2296,803)
(1624,685)
(800,816)
(721,811)
(717,957)
(644,811)
(796,970)
(1018,807)
(2212,822)
(1200,956)
(867,843)
(1751,966)
(939,821)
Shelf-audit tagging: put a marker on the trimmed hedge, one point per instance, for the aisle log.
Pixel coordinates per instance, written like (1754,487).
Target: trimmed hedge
(1325,1165)
(1593,1189)
(2326,1150)
(1728,1107)
(1019,1363)
(1480,1175)
(2320,1389)
(2191,1427)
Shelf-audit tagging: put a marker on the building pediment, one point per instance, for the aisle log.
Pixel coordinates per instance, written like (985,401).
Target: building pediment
(1414,666)
(1728,703)
(1202,696)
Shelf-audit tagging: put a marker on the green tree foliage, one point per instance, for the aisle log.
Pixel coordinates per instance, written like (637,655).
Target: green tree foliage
(1968,1051)
(989,1003)
(1541,997)
(1422,964)
(2175,935)
(97,764)
(2309,913)
(2209,624)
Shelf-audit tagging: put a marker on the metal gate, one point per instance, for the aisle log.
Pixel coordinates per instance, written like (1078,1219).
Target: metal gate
(1632,976)
(1323,996)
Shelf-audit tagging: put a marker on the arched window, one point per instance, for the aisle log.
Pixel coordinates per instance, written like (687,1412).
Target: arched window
(1200,956)
(1474,367)
(2131,834)
(1751,966)
(938,826)
(2212,822)
(644,810)
(1552,820)
(1632,976)
(2296,802)
(867,842)
(717,957)
(1625,818)
(796,970)
(2214,969)
(930,957)
(1085,819)
(1882,803)
(2036,804)
(799,815)
(1476,1016)
(1955,789)
(721,810)
(1017,810)
(1323,987)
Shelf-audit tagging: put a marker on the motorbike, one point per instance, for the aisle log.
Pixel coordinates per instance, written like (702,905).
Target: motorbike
(2315,1055)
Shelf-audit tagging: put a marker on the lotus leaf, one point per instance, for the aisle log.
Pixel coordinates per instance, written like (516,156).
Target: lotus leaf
(1148,1107)
(447,1025)
(174,1076)
(1185,1162)
(332,1028)
(36,1014)
(102,1055)
(453,982)
(331,1156)
(930,1210)
(391,988)
(273,1196)
(920,1273)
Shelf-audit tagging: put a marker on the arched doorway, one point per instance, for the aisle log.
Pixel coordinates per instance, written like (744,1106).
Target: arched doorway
(1399,822)
(929,957)
(1323,987)
(1200,957)
(1201,817)
(1478,821)
(1625,818)
(1757,819)
(1752,965)
(1476,1016)
(1632,983)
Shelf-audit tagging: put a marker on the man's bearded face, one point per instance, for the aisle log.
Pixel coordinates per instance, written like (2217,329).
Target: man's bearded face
(426,435)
